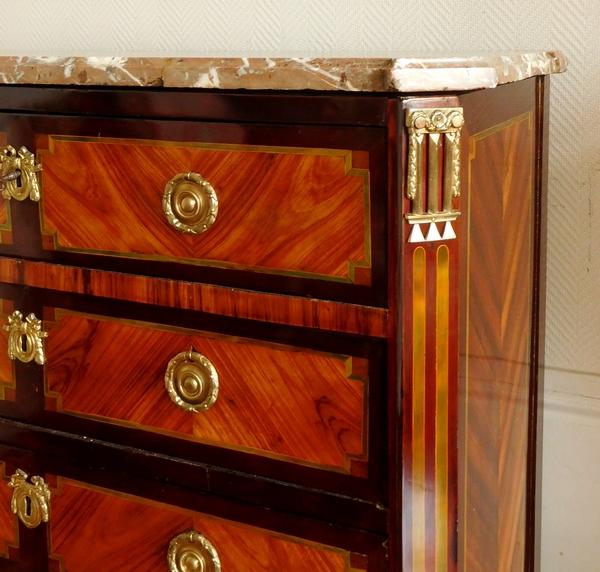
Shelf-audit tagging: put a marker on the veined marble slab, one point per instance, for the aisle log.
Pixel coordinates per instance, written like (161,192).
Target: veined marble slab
(335,74)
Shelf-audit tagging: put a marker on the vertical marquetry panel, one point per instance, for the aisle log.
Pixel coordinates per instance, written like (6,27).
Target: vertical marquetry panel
(430,379)
(430,327)
(498,337)
(97,530)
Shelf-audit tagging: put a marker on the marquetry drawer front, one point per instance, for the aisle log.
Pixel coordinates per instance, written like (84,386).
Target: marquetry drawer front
(292,211)
(97,529)
(283,402)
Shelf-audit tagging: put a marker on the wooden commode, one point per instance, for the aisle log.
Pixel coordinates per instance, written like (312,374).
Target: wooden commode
(278,315)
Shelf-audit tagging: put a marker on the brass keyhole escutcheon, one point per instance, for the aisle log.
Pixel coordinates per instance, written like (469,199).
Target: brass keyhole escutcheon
(192,552)
(192,381)
(190,203)
(25,338)
(19,174)
(30,501)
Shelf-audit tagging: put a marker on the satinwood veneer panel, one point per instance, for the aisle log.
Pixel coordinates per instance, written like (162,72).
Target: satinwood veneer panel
(93,529)
(276,400)
(497,369)
(301,212)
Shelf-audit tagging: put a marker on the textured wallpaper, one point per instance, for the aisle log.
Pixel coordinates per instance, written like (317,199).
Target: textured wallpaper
(387,27)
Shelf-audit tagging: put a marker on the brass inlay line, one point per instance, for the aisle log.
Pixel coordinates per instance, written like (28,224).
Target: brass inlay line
(418,409)
(441,411)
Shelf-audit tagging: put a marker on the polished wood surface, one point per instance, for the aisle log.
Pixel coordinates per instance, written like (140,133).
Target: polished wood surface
(26,129)
(450,480)
(429,323)
(430,409)
(273,107)
(96,530)
(8,521)
(5,218)
(273,308)
(276,400)
(300,212)
(497,345)
(5,223)
(7,374)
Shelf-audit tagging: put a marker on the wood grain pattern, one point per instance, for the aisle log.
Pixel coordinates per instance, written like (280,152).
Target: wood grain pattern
(275,400)
(5,219)
(301,212)
(5,223)
(8,521)
(279,309)
(429,324)
(96,530)
(429,403)
(7,378)
(499,267)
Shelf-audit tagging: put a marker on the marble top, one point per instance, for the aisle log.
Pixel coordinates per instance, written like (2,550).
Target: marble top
(335,74)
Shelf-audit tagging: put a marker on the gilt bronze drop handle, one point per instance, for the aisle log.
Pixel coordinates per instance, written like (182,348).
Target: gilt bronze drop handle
(192,382)
(192,552)
(190,203)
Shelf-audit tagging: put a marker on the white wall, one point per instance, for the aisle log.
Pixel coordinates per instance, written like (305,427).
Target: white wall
(571,527)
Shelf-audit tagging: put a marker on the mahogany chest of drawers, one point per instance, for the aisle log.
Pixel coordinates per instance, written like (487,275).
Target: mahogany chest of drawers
(269,330)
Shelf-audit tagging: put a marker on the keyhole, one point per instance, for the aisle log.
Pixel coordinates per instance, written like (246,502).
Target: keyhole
(19,180)
(24,343)
(27,506)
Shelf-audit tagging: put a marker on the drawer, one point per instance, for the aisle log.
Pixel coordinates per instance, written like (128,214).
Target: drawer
(254,397)
(136,526)
(277,210)
(275,400)
(286,209)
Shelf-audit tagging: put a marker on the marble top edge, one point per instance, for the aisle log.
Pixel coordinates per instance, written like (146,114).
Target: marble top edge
(375,74)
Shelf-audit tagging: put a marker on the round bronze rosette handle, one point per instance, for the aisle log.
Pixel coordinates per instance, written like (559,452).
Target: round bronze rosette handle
(191,552)
(190,203)
(192,382)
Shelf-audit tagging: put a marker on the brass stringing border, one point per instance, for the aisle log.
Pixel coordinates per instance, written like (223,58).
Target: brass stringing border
(528,116)
(419,485)
(348,170)
(441,418)
(348,458)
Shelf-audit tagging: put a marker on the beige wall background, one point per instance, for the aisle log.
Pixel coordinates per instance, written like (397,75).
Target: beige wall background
(571,527)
